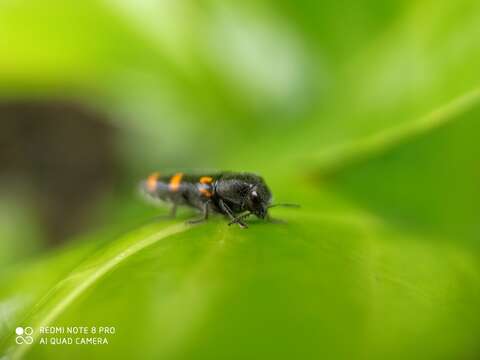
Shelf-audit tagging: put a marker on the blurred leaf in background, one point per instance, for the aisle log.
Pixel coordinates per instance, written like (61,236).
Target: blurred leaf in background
(366,113)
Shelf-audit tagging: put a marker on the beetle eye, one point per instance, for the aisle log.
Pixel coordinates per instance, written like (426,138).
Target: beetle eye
(254,196)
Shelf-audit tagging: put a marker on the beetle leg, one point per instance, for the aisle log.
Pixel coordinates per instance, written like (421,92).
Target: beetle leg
(173,211)
(171,214)
(240,217)
(204,214)
(232,217)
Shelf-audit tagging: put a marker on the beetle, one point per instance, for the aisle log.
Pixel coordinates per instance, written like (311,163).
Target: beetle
(233,194)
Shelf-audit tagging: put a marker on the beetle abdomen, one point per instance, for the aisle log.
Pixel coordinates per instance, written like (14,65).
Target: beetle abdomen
(180,188)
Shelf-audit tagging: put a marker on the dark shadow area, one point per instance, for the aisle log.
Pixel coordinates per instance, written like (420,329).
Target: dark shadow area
(63,153)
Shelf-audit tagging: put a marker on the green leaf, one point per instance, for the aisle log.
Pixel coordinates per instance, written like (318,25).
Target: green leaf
(327,284)
(63,294)
(423,176)
(363,112)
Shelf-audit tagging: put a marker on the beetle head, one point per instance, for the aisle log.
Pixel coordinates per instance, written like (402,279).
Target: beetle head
(258,199)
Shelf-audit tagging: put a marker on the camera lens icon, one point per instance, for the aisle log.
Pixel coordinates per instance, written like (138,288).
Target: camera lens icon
(24,335)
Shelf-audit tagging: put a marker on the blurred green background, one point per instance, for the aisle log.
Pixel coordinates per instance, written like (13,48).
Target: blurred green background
(367,113)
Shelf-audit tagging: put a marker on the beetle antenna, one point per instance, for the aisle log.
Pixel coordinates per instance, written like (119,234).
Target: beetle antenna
(284,205)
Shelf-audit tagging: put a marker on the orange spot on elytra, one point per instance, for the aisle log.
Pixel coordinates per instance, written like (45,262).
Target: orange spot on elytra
(203,188)
(175,181)
(152,181)
(206,180)
(205,192)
